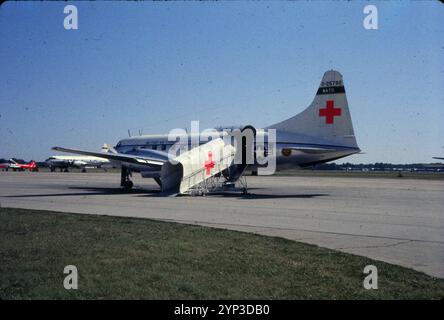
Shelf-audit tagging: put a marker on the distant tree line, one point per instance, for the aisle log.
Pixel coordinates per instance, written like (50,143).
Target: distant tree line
(378,166)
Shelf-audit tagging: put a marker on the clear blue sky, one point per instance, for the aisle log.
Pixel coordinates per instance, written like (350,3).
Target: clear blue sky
(157,66)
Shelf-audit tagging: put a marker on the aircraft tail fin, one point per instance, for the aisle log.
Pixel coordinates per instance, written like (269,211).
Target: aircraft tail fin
(327,117)
(108,148)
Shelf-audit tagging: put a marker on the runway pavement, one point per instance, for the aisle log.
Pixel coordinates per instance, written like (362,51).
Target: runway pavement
(400,221)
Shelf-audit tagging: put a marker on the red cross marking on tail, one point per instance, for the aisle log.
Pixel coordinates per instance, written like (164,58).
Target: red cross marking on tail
(329,112)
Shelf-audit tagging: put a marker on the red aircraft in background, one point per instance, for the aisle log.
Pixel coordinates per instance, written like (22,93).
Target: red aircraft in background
(15,166)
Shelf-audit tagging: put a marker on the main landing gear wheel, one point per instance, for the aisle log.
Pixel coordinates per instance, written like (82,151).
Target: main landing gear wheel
(125,181)
(128,185)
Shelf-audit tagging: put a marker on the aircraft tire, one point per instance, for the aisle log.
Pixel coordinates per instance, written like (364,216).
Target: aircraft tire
(128,185)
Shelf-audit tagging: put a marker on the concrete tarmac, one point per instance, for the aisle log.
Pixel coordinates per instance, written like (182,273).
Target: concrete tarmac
(400,221)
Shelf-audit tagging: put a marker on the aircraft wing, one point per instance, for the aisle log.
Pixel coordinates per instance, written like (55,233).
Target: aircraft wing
(141,160)
(439,158)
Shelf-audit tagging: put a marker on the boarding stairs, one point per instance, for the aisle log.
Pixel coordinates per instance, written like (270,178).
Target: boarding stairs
(199,170)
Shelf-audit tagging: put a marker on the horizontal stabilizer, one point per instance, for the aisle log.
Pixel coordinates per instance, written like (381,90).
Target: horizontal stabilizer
(312,149)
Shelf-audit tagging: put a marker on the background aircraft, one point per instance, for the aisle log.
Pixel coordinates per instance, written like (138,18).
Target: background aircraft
(65,162)
(15,166)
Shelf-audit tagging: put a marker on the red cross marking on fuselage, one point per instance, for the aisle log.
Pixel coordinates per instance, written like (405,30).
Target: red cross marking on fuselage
(329,112)
(209,164)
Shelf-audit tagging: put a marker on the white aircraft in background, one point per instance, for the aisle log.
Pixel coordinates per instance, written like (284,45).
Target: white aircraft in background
(322,132)
(66,162)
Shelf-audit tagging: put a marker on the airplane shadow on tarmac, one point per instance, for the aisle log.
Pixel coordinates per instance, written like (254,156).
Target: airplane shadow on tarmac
(139,192)
(91,191)
(253,196)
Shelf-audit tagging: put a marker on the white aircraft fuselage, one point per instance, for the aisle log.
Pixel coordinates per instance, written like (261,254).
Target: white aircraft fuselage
(292,150)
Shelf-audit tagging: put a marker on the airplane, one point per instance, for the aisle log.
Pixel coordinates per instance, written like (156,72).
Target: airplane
(65,162)
(439,158)
(15,166)
(4,165)
(322,132)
